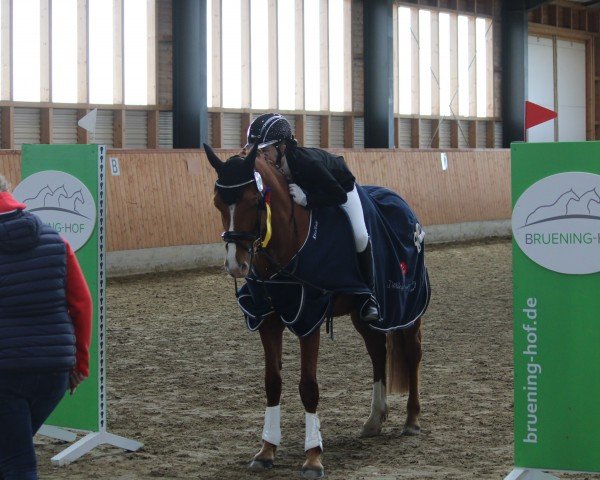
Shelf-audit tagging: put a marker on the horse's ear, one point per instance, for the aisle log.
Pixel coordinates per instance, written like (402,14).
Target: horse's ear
(212,158)
(251,158)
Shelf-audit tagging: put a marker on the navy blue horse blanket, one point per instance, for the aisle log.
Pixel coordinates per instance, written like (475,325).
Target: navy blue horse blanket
(302,292)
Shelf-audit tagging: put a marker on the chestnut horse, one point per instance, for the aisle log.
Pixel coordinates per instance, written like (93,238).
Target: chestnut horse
(395,356)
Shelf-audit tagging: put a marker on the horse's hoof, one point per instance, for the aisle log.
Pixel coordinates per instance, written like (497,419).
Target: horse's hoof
(411,431)
(370,431)
(308,472)
(258,465)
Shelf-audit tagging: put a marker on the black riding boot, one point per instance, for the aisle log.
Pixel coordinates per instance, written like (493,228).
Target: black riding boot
(369,313)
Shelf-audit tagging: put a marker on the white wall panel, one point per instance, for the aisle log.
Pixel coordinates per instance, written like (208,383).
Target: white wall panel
(336,132)
(481,134)
(498,135)
(165,130)
(136,129)
(232,129)
(540,84)
(27,126)
(312,131)
(445,133)
(359,132)
(425,132)
(405,132)
(104,128)
(570,60)
(463,134)
(64,125)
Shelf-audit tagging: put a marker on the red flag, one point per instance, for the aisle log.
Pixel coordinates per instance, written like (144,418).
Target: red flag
(536,114)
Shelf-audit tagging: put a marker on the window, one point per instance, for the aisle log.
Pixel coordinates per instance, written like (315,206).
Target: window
(452,72)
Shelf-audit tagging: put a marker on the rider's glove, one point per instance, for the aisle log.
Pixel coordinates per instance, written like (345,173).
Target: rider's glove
(297,194)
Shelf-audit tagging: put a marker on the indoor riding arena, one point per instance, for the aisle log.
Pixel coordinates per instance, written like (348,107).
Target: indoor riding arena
(422,97)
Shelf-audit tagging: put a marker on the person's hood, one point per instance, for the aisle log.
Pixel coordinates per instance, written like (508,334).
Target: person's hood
(8,203)
(19,231)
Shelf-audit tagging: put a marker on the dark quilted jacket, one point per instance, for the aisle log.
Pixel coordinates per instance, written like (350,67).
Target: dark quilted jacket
(36,332)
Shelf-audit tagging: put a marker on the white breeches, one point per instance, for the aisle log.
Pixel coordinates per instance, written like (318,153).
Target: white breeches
(354,210)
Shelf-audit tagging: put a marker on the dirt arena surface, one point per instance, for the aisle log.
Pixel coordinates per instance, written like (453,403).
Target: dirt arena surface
(185,377)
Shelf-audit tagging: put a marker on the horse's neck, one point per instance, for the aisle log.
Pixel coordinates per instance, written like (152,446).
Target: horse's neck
(289,224)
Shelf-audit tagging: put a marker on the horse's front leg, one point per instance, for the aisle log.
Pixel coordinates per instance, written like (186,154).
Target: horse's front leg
(271,335)
(309,394)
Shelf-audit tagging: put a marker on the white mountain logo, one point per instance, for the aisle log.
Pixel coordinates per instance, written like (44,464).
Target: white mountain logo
(57,199)
(567,205)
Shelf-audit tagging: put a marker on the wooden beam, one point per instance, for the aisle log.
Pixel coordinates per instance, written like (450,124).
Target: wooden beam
(153,128)
(396,132)
(324,53)
(349,131)
(245,67)
(325,131)
(45,51)
(246,121)
(472,68)
(348,64)
(414,68)
(217,130)
(82,52)
(83,136)
(46,125)
(435,63)
(151,43)
(454,133)
(435,133)
(118,54)
(395,73)
(8,128)
(414,133)
(273,58)
(299,58)
(454,92)
(7,47)
(300,127)
(217,64)
(489,68)
(472,133)
(119,128)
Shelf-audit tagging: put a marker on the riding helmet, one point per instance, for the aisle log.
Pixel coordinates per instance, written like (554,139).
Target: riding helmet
(268,129)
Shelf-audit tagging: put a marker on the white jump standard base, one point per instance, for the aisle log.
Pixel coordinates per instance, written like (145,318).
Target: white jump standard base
(529,474)
(91,441)
(57,432)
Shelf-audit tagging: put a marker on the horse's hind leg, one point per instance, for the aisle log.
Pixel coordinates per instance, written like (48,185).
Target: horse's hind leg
(271,335)
(413,352)
(375,343)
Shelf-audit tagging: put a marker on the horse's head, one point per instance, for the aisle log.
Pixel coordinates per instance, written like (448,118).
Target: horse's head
(238,198)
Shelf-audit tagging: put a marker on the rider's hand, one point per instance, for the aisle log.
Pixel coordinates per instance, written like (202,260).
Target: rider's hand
(298,194)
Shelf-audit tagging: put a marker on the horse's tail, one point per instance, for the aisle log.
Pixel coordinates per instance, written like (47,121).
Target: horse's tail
(395,364)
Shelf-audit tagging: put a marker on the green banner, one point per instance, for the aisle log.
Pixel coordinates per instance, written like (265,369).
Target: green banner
(556,305)
(64,186)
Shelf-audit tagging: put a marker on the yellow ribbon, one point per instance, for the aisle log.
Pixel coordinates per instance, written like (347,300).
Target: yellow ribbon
(267,238)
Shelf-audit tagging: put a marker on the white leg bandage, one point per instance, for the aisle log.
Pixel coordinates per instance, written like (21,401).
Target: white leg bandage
(378,401)
(272,428)
(313,434)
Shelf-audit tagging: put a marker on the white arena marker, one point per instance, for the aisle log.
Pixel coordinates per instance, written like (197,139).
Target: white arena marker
(444,160)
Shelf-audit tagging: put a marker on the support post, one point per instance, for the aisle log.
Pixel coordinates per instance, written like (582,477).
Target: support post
(190,114)
(379,75)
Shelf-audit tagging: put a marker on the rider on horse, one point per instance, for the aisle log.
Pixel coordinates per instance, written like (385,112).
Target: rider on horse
(317,179)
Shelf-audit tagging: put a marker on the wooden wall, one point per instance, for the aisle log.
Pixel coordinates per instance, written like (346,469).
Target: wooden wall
(164,198)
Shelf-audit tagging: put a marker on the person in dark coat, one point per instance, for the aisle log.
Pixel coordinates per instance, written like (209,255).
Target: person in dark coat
(317,179)
(45,330)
